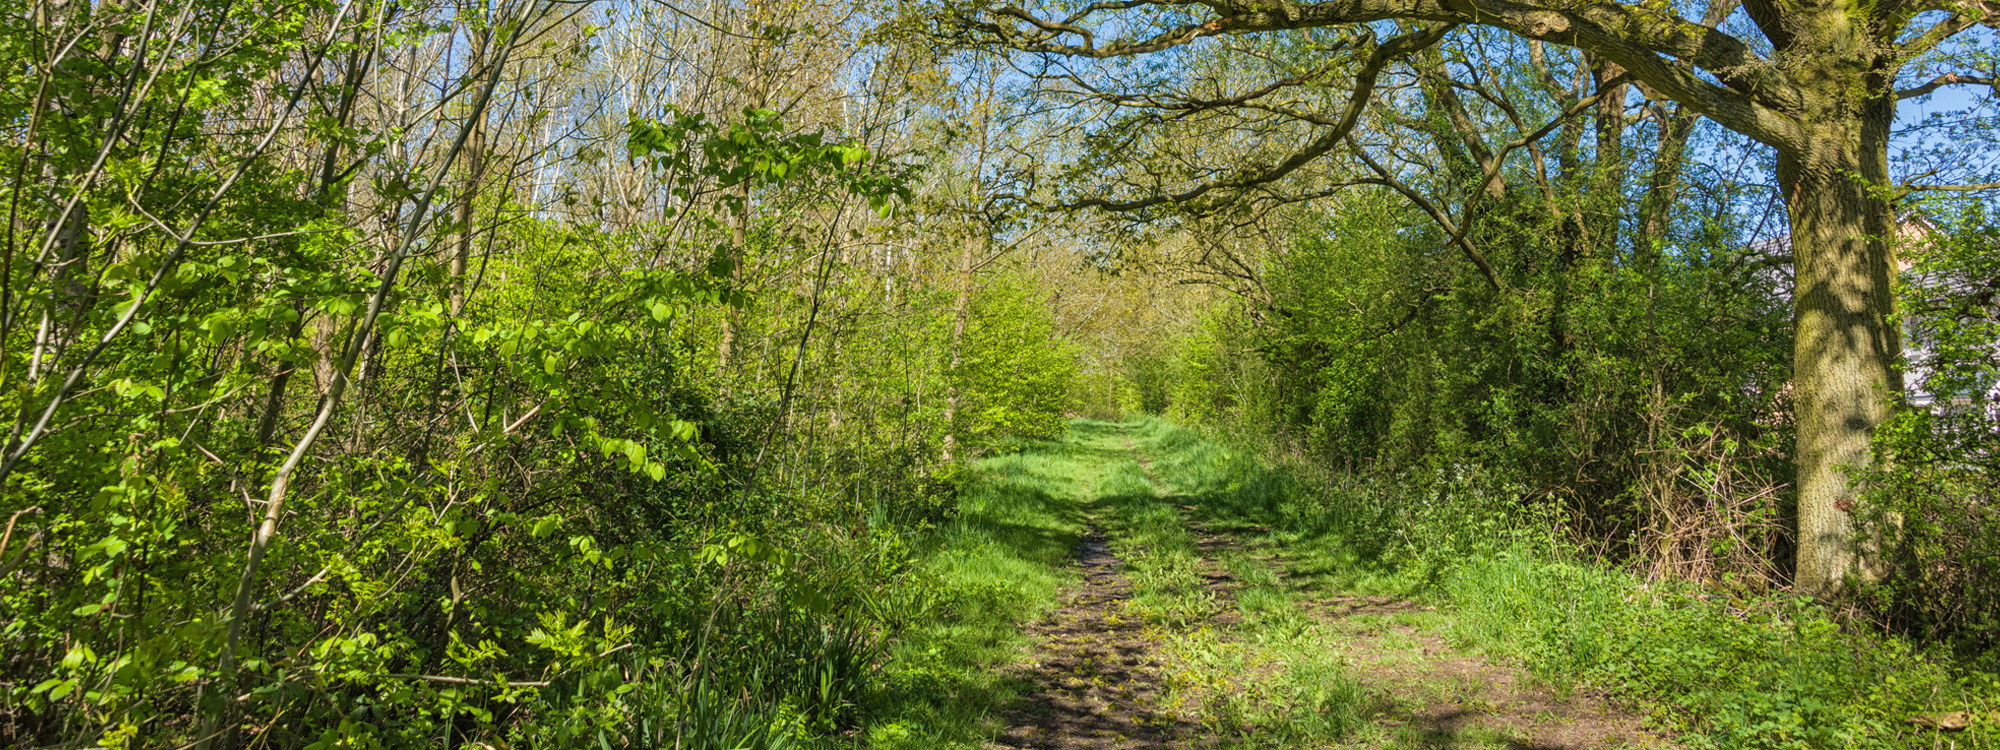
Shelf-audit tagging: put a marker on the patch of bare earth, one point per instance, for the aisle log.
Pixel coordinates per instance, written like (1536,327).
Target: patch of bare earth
(1097,680)
(1428,688)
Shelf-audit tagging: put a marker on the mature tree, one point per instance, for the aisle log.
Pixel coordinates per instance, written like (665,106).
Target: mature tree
(1819,87)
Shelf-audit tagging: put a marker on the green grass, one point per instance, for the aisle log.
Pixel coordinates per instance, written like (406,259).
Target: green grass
(1774,672)
(1258,670)
(1276,682)
(1275,678)
(1731,673)
(1149,537)
(999,564)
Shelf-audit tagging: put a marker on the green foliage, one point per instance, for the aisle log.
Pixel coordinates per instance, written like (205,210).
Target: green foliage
(1597,388)
(533,520)
(759,149)
(1934,509)
(1769,672)
(1016,373)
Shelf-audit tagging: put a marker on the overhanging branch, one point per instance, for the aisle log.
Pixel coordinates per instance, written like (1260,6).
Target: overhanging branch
(1364,88)
(1437,214)
(1947,79)
(1660,48)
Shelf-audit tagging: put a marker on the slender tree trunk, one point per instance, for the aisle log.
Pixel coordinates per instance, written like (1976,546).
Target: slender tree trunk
(1606,200)
(331,195)
(961,310)
(63,317)
(1845,381)
(1662,188)
(475,171)
(757,96)
(732,318)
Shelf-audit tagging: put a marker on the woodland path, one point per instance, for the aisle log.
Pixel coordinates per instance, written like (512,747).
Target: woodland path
(1215,636)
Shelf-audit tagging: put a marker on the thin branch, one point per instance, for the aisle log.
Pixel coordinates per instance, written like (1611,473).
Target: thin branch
(1364,87)
(1953,188)
(1947,79)
(1935,35)
(1458,237)
(463,681)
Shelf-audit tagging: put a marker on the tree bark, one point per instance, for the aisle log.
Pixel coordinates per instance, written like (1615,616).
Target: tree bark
(1662,194)
(475,172)
(1844,379)
(757,94)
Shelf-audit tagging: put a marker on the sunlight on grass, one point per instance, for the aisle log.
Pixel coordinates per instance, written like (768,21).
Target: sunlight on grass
(999,564)
(1772,672)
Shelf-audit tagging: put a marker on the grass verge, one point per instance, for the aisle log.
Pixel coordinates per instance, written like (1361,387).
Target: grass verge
(1774,673)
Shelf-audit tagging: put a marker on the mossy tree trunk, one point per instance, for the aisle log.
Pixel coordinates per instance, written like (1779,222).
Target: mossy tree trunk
(1835,180)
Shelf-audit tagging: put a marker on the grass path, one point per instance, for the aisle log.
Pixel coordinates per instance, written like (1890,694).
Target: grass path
(1133,586)
(1190,623)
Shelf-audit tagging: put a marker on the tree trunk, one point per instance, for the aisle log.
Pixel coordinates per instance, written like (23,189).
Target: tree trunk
(475,171)
(1662,195)
(732,318)
(1845,381)
(1606,199)
(961,309)
(757,94)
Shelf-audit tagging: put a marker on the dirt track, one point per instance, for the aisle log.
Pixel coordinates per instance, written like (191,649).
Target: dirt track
(1100,676)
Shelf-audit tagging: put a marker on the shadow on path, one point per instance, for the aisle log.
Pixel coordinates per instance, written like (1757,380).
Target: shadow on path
(1094,671)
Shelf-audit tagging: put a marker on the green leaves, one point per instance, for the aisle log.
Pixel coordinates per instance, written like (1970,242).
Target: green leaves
(679,437)
(546,525)
(203,93)
(1016,371)
(743,547)
(759,151)
(129,388)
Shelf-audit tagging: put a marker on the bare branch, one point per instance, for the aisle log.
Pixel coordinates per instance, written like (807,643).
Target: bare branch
(1191,104)
(1755,97)
(1364,87)
(1968,188)
(1947,79)
(1935,35)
